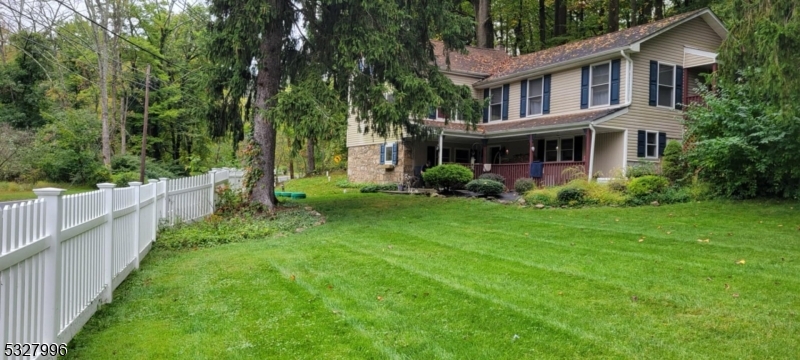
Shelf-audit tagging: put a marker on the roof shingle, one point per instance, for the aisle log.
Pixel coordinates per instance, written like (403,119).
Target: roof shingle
(574,50)
(540,121)
(476,60)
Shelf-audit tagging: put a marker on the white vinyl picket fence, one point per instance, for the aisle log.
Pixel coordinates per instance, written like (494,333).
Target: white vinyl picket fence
(63,255)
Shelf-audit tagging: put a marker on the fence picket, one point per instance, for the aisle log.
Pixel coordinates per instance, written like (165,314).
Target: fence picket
(62,255)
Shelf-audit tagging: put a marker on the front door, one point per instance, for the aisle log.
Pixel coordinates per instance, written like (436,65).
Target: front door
(494,154)
(432,156)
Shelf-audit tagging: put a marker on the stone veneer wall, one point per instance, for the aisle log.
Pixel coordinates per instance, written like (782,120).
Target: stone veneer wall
(363,164)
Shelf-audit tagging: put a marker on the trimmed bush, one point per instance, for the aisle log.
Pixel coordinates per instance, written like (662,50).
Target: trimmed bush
(546,196)
(491,176)
(447,176)
(619,186)
(643,168)
(673,166)
(486,187)
(646,185)
(524,185)
(571,195)
(373,188)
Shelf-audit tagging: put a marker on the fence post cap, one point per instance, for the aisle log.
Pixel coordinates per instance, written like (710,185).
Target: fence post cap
(151,181)
(163,179)
(134,183)
(49,192)
(106,186)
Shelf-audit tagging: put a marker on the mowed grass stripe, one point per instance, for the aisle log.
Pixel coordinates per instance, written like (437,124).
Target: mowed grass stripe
(411,300)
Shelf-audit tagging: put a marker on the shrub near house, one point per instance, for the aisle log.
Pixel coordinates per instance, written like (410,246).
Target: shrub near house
(448,176)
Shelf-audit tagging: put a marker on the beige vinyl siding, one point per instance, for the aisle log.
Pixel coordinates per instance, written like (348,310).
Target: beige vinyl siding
(668,48)
(608,153)
(693,79)
(565,92)
(357,138)
(466,80)
(696,60)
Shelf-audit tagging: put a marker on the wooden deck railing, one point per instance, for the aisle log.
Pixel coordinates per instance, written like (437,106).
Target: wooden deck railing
(553,172)
(694,100)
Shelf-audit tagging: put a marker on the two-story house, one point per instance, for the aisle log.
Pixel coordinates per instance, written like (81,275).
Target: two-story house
(602,103)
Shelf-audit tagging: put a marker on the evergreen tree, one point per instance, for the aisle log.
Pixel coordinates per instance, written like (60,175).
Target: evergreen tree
(366,48)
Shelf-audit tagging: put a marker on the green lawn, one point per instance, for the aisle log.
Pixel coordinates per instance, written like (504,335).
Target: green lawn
(10,191)
(423,278)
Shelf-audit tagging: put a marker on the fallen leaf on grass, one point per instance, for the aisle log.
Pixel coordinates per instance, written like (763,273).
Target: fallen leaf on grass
(330,287)
(735,295)
(634,298)
(616,219)
(740,262)
(292,277)
(727,286)
(730,234)
(380,298)
(780,225)
(669,232)
(641,240)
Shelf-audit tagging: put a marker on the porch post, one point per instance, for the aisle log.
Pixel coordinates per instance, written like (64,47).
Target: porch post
(485,143)
(441,146)
(587,148)
(530,148)
(685,87)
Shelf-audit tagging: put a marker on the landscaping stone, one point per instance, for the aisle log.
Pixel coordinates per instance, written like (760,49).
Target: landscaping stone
(539,206)
(655,203)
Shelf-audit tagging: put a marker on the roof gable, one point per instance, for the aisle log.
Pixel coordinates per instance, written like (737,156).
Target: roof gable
(598,45)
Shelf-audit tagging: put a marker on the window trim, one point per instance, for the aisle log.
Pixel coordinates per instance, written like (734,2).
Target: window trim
(455,155)
(674,84)
(386,152)
(529,97)
(646,144)
(559,149)
(500,115)
(591,84)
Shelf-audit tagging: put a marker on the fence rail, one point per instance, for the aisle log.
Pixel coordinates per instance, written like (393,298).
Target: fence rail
(63,255)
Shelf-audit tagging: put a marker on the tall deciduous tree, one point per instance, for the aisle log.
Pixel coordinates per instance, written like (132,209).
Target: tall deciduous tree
(484,27)
(613,16)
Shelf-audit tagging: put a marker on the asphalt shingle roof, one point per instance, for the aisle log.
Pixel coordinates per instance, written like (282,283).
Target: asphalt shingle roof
(476,60)
(545,120)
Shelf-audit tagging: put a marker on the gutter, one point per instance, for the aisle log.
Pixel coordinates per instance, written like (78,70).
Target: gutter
(567,64)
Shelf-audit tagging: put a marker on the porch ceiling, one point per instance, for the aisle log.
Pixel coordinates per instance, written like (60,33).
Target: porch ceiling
(548,123)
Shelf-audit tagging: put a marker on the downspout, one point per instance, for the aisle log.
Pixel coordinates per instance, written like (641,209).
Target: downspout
(628,98)
(441,145)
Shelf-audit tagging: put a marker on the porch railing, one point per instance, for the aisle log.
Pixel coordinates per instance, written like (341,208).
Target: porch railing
(694,100)
(553,172)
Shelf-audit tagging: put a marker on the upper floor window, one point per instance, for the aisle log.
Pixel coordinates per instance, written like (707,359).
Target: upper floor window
(600,84)
(496,104)
(666,85)
(535,96)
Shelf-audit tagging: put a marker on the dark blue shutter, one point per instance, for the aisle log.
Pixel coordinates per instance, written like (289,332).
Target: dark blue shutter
(546,95)
(641,145)
(395,153)
(486,105)
(432,112)
(383,153)
(523,98)
(662,143)
(679,87)
(585,87)
(653,83)
(506,89)
(615,81)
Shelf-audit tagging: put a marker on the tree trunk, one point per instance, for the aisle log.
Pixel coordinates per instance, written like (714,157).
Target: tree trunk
(310,164)
(613,15)
(659,5)
(101,41)
(267,86)
(542,25)
(560,26)
(123,130)
(484,30)
(634,13)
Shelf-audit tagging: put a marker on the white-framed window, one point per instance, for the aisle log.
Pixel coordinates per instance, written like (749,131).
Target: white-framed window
(600,84)
(666,85)
(567,149)
(535,96)
(651,145)
(496,104)
(389,154)
(551,150)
